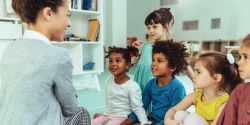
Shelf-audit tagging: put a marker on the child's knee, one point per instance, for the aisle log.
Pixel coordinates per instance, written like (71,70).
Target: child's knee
(98,121)
(180,115)
(195,119)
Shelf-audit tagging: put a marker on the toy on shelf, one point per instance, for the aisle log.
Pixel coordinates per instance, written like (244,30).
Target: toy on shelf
(88,65)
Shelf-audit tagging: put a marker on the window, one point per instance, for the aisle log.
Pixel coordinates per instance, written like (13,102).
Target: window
(167,2)
(190,25)
(215,23)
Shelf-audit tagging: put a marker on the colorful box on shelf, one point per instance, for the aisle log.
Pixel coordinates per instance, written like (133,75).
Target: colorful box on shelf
(88,65)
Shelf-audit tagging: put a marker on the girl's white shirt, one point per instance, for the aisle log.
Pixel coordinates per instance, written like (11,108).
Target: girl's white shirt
(121,100)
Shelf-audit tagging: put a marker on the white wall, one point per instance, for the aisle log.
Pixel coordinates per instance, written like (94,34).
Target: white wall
(2,8)
(116,23)
(233,14)
(137,11)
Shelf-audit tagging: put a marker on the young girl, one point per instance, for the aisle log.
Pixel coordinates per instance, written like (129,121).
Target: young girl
(123,95)
(237,110)
(37,86)
(164,91)
(215,77)
(159,23)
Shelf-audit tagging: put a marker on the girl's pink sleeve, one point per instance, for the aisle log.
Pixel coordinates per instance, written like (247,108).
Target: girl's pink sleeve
(229,114)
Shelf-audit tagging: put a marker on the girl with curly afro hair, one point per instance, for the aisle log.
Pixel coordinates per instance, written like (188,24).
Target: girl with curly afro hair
(123,95)
(164,91)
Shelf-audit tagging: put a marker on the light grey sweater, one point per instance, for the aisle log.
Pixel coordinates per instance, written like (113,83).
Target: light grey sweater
(36,86)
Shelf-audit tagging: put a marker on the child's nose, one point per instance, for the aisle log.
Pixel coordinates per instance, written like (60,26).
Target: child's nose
(153,63)
(193,76)
(239,62)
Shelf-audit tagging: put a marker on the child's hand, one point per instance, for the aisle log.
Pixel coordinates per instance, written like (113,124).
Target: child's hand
(128,121)
(137,44)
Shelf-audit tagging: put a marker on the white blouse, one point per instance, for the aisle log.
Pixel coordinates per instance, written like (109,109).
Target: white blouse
(121,100)
(31,34)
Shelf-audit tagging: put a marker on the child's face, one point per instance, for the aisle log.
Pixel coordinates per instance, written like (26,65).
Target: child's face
(159,66)
(244,62)
(156,31)
(201,76)
(117,64)
(60,22)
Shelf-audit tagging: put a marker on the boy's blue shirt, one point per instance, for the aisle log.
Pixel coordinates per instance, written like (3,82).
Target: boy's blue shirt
(163,98)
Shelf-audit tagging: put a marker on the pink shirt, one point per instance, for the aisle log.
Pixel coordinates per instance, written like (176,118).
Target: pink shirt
(237,110)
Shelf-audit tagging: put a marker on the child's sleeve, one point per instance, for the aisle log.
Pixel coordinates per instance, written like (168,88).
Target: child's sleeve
(229,114)
(106,93)
(179,93)
(146,101)
(137,105)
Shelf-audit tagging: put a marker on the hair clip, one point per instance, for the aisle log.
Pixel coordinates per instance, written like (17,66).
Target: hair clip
(230,58)
(131,54)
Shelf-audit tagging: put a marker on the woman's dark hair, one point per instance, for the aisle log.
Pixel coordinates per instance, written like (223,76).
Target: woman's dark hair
(28,10)
(163,16)
(174,52)
(126,53)
(217,63)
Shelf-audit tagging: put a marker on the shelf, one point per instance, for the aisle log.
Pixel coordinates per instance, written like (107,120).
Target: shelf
(85,12)
(9,19)
(74,42)
(190,25)
(87,72)
(232,47)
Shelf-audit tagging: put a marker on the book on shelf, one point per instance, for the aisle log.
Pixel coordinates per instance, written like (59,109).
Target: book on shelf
(89,5)
(93,28)
(97,33)
(86,4)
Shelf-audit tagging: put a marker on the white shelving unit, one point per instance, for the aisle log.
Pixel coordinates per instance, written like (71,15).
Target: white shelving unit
(83,52)
(10,29)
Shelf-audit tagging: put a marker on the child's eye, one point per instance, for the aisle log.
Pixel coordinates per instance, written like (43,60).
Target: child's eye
(148,28)
(153,60)
(246,57)
(118,60)
(159,60)
(110,61)
(155,26)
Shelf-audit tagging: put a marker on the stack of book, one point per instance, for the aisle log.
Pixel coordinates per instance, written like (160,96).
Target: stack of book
(93,33)
(72,37)
(85,4)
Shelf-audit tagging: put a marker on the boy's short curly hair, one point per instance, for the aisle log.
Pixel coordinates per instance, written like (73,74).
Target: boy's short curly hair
(174,52)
